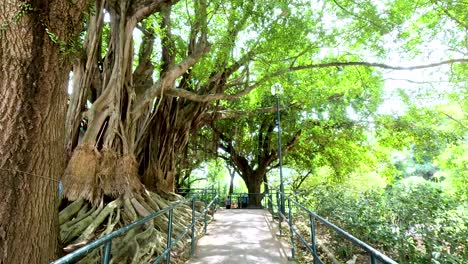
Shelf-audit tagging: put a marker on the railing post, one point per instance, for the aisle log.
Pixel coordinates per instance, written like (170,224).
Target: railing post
(106,256)
(312,237)
(372,258)
(192,251)
(204,195)
(205,218)
(169,237)
(280,217)
(268,205)
(216,200)
(291,231)
(213,206)
(270,201)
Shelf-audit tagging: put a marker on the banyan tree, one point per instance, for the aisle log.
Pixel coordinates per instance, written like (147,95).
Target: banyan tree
(148,76)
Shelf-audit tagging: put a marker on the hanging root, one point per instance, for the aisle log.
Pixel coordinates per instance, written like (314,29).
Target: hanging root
(79,179)
(127,175)
(106,174)
(81,223)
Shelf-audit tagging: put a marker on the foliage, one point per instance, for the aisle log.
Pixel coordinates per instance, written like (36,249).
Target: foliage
(407,165)
(141,119)
(454,160)
(413,221)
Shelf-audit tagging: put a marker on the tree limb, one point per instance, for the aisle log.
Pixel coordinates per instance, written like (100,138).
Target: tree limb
(139,9)
(293,141)
(169,77)
(450,15)
(372,64)
(456,120)
(224,113)
(297,182)
(222,96)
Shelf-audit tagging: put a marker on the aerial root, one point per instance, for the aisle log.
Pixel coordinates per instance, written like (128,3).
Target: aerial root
(68,232)
(88,233)
(106,174)
(71,210)
(112,222)
(129,215)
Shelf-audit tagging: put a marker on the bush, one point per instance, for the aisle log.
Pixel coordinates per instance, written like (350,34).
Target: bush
(412,222)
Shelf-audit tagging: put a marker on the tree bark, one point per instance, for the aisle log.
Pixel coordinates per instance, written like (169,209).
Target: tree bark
(254,183)
(169,136)
(231,183)
(33,101)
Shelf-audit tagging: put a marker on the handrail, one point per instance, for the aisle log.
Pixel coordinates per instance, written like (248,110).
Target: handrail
(167,250)
(374,254)
(190,189)
(106,240)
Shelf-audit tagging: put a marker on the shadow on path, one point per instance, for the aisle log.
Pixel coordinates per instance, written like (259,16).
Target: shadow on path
(240,236)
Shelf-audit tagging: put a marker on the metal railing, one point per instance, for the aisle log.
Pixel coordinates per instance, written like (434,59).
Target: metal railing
(106,241)
(246,200)
(374,255)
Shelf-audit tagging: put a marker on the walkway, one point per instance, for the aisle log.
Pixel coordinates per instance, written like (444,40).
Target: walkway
(240,236)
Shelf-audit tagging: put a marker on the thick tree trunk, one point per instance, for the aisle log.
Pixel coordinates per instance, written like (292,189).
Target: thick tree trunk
(122,117)
(33,100)
(169,137)
(254,171)
(231,185)
(255,197)
(232,173)
(253,186)
(158,179)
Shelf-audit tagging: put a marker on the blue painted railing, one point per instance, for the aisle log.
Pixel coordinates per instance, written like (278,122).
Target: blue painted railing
(106,241)
(374,255)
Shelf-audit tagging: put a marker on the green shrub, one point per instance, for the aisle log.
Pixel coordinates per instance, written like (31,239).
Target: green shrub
(412,221)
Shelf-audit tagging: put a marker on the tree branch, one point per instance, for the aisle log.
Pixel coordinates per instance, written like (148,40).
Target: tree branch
(139,9)
(167,42)
(456,120)
(195,180)
(450,15)
(297,182)
(169,77)
(142,74)
(372,64)
(356,16)
(222,96)
(224,113)
(293,141)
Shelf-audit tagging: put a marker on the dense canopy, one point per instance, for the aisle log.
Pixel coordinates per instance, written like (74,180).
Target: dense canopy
(374,91)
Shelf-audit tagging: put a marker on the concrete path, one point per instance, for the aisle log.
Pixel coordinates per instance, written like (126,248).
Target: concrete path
(240,236)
